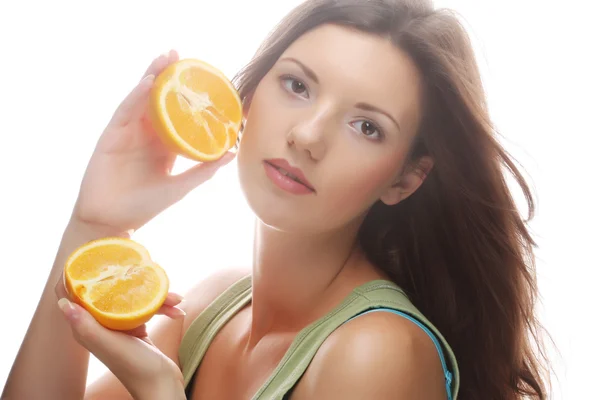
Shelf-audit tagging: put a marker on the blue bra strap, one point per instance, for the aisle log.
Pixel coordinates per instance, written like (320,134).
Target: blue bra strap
(447,373)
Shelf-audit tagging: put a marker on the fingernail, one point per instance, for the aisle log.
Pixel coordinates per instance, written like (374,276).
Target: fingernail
(178,297)
(67,308)
(179,312)
(148,78)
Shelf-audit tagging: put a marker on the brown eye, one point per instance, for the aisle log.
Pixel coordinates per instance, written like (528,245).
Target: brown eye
(368,128)
(298,87)
(295,86)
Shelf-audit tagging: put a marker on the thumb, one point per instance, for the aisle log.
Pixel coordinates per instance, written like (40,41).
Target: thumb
(188,180)
(86,330)
(129,358)
(100,341)
(133,106)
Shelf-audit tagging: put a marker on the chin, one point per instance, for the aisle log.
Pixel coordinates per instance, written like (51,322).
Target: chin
(280,212)
(283,211)
(276,211)
(273,207)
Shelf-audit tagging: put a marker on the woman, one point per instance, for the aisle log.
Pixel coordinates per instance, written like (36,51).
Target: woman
(395,267)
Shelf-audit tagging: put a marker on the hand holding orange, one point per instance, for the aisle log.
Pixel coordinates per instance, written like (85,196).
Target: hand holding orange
(179,107)
(114,284)
(129,179)
(116,281)
(195,110)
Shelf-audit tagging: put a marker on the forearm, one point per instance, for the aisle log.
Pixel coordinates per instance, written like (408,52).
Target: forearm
(50,363)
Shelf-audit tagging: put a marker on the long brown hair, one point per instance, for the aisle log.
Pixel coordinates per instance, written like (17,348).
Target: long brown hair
(458,246)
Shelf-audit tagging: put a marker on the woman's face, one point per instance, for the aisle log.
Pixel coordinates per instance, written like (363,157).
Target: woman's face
(342,107)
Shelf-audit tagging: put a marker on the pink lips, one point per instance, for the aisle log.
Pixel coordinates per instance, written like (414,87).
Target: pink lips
(288,178)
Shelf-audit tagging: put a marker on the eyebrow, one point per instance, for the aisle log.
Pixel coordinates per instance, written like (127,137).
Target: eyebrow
(309,72)
(369,107)
(363,106)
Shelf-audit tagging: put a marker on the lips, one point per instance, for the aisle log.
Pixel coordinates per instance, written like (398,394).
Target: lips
(284,167)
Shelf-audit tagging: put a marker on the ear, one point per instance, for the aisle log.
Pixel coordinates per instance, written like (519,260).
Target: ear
(409,181)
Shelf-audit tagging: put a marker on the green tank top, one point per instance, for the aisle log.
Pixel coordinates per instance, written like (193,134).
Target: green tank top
(371,296)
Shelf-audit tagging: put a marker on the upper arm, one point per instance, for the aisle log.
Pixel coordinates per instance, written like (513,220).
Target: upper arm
(377,356)
(167,333)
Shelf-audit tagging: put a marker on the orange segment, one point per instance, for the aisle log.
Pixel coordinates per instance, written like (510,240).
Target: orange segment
(116,281)
(86,262)
(195,110)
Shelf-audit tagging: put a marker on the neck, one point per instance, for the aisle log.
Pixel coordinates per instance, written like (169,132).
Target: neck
(298,278)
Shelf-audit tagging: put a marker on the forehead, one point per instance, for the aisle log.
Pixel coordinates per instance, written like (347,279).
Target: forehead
(361,66)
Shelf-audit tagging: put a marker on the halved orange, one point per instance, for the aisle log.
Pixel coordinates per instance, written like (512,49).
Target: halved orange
(195,110)
(116,281)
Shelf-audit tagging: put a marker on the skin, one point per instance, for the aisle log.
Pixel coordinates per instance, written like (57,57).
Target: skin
(319,131)
(305,259)
(305,256)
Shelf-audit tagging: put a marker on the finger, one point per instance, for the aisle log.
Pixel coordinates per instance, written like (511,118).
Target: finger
(157,65)
(171,312)
(160,63)
(173,299)
(133,106)
(117,350)
(90,334)
(173,56)
(152,68)
(148,340)
(84,326)
(139,332)
(198,174)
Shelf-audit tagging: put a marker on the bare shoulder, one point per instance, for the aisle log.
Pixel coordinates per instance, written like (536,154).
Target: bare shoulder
(378,355)
(207,290)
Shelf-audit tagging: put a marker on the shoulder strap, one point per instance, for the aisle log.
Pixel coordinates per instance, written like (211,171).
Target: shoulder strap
(447,374)
(205,327)
(372,295)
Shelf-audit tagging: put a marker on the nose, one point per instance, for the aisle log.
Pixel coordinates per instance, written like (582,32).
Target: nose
(310,133)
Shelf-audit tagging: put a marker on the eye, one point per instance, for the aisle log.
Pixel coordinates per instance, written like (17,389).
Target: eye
(368,128)
(294,85)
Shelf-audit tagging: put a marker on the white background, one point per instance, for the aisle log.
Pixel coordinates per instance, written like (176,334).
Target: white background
(64,66)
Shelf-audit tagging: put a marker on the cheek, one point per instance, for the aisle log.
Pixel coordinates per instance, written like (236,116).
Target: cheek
(266,118)
(357,187)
